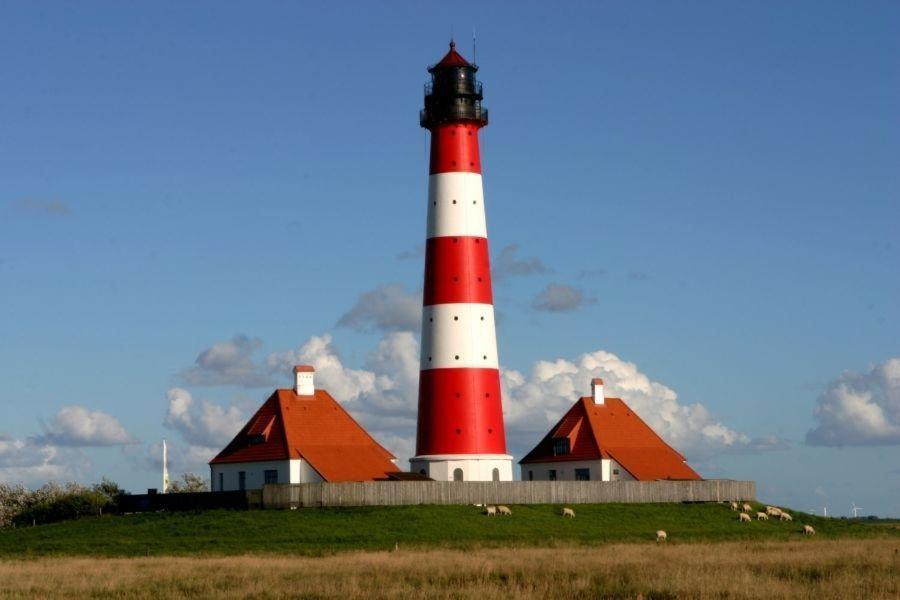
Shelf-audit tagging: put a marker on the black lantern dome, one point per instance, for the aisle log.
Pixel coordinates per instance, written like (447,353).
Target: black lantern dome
(453,94)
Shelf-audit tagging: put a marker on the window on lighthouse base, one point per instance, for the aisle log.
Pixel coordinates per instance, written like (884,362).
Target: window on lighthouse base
(457,475)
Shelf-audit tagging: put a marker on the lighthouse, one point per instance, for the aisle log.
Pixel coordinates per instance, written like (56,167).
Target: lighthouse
(460,434)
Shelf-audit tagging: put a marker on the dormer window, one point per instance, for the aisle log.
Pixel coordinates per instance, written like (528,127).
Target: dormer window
(560,446)
(256,438)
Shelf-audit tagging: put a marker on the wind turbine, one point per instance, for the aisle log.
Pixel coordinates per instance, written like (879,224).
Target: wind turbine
(855,509)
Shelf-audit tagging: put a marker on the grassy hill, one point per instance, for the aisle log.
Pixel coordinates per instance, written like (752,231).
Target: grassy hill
(325,531)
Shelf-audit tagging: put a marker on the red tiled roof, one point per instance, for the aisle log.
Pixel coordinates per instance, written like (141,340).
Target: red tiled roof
(452,59)
(314,428)
(612,430)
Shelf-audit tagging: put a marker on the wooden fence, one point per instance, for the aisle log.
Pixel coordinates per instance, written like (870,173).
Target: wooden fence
(401,493)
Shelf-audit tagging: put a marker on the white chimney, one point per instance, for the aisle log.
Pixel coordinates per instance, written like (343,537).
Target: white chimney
(597,390)
(304,380)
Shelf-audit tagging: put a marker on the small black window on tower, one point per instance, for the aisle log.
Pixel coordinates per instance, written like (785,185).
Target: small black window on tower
(530,475)
(495,474)
(551,474)
(560,446)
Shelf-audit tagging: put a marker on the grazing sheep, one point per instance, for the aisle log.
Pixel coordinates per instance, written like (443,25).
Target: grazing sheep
(661,536)
(808,530)
(746,507)
(772,511)
(490,511)
(744,517)
(504,510)
(734,506)
(785,517)
(568,512)
(761,516)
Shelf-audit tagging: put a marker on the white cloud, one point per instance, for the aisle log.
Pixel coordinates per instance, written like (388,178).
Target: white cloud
(534,402)
(386,308)
(229,362)
(78,426)
(32,461)
(383,395)
(559,297)
(202,423)
(860,409)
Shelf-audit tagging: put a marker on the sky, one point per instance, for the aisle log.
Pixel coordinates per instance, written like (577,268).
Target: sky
(696,201)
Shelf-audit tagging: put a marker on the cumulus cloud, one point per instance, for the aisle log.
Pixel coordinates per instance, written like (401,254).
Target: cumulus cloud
(78,426)
(33,206)
(34,461)
(382,395)
(860,409)
(506,264)
(386,308)
(534,402)
(227,363)
(559,297)
(202,423)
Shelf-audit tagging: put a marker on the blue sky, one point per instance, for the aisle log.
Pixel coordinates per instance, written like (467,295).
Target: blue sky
(708,191)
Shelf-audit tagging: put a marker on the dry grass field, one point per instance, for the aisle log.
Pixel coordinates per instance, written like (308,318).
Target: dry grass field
(806,568)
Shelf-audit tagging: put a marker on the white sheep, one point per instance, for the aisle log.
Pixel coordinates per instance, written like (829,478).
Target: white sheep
(504,510)
(772,511)
(734,506)
(746,507)
(761,516)
(661,536)
(744,517)
(490,511)
(568,512)
(808,530)
(785,517)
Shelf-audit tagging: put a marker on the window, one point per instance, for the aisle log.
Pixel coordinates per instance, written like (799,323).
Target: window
(582,474)
(551,474)
(530,475)
(457,475)
(495,475)
(421,471)
(242,480)
(221,482)
(270,476)
(615,471)
(560,446)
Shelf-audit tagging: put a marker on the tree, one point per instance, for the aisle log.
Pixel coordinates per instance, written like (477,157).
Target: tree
(189,482)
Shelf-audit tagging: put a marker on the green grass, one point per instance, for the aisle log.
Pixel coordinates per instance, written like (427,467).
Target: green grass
(325,531)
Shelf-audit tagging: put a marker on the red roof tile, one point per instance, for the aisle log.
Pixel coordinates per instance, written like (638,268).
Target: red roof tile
(612,430)
(314,428)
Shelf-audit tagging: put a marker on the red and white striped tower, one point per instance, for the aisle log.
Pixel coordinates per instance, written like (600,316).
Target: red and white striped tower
(460,433)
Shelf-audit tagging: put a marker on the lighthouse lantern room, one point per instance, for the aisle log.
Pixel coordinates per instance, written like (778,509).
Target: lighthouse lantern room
(460,434)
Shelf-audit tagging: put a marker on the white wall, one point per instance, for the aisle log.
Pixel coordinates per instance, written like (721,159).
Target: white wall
(475,468)
(600,470)
(289,471)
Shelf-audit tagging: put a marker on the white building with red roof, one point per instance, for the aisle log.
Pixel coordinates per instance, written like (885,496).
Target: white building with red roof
(299,435)
(602,439)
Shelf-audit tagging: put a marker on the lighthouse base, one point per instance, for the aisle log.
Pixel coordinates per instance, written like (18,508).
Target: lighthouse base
(464,467)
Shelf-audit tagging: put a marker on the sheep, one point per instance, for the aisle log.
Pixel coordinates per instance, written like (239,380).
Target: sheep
(490,511)
(734,506)
(761,516)
(772,511)
(746,507)
(785,517)
(568,512)
(661,536)
(808,530)
(744,517)
(504,510)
